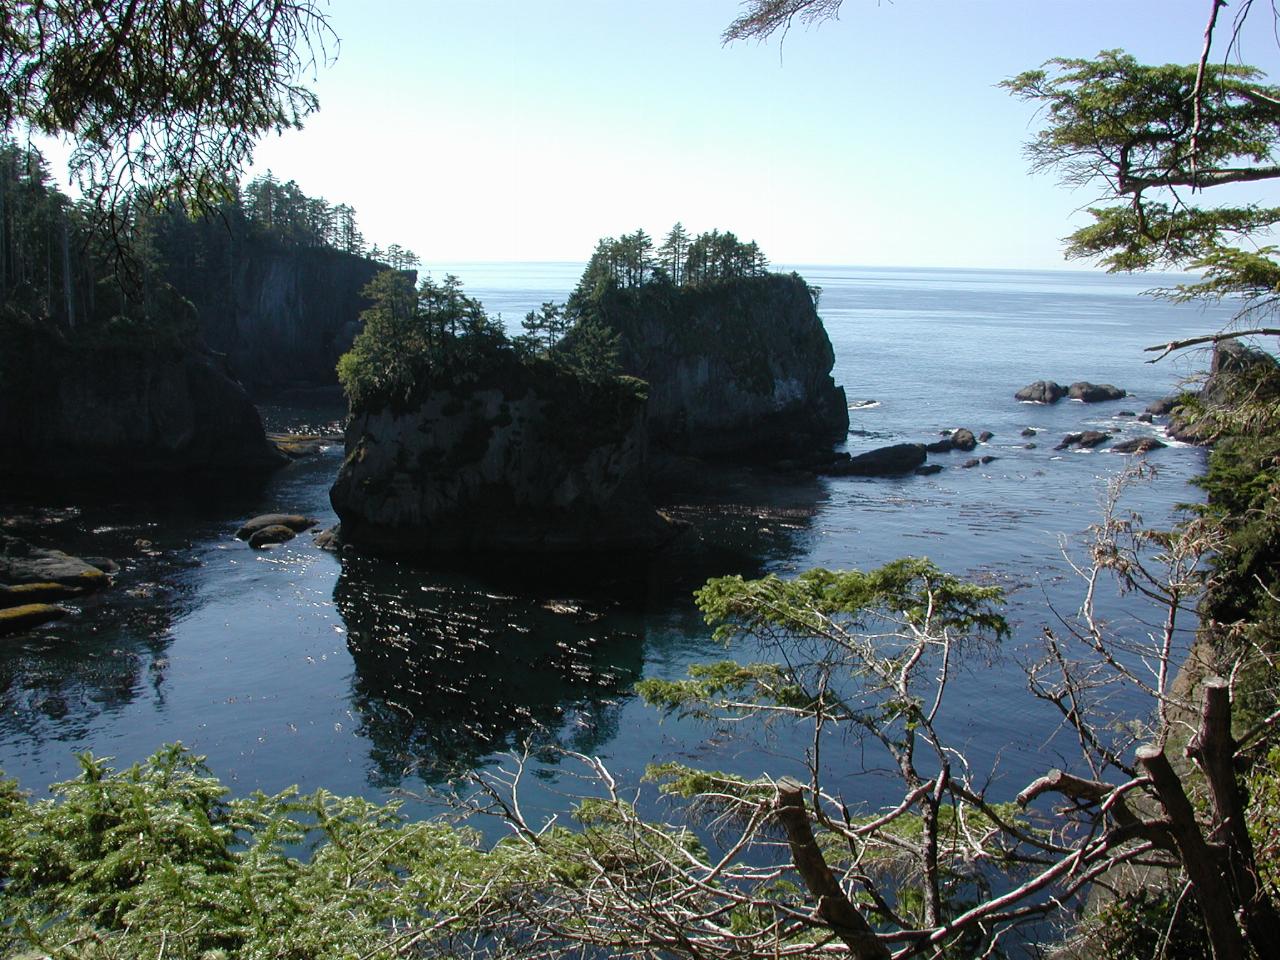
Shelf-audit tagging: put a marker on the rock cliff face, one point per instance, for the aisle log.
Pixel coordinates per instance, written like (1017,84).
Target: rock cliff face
(741,367)
(525,459)
(281,315)
(127,410)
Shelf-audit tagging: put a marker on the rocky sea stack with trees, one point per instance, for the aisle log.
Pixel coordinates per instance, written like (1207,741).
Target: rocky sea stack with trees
(464,439)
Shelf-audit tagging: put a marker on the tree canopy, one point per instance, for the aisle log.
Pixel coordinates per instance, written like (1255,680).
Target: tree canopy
(161,98)
(1157,139)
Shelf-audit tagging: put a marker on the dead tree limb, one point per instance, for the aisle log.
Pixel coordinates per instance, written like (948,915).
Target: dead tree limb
(834,906)
(1172,345)
(1198,859)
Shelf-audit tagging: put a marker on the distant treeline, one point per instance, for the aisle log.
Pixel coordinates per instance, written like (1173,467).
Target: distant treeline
(682,260)
(283,211)
(60,267)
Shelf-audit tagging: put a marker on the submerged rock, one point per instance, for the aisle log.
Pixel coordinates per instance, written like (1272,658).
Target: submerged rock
(928,469)
(266,536)
(1042,391)
(522,457)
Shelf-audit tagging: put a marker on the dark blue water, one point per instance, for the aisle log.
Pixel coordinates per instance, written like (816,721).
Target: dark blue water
(292,667)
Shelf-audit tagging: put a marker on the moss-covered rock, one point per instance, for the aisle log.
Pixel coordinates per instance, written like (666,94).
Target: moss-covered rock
(27,593)
(22,563)
(17,619)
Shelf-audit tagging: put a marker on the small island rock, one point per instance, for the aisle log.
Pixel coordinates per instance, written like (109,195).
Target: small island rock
(1137,445)
(1042,391)
(1094,392)
(964,439)
(1088,438)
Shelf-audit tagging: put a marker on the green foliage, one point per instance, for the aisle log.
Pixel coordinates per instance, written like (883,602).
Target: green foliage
(1147,923)
(414,337)
(628,263)
(911,589)
(590,351)
(157,858)
(1146,132)
(162,99)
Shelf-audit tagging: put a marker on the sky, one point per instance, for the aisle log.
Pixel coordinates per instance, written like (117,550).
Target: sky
(518,130)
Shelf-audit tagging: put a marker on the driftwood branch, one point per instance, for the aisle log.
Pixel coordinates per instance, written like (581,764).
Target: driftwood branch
(834,906)
(1173,345)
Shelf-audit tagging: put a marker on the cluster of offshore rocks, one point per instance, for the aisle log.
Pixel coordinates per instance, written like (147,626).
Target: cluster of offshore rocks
(1230,359)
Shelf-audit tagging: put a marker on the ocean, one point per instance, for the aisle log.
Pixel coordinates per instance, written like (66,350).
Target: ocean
(387,679)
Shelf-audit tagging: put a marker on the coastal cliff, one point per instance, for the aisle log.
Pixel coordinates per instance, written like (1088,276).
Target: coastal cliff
(740,367)
(282,315)
(123,408)
(523,457)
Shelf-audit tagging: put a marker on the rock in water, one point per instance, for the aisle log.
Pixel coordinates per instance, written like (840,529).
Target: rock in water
(1088,438)
(294,522)
(883,461)
(274,533)
(1042,391)
(740,367)
(521,457)
(1235,367)
(28,593)
(1137,445)
(963,439)
(1094,392)
(21,563)
(15,619)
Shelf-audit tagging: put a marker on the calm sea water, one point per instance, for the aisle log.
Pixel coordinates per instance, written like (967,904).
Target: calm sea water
(292,667)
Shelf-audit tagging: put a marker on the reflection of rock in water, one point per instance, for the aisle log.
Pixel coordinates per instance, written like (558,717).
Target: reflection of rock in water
(449,670)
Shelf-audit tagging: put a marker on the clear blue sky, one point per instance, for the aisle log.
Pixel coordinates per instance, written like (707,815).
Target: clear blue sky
(519,130)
